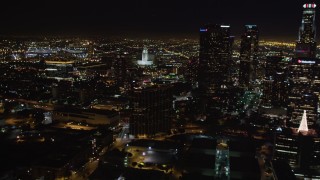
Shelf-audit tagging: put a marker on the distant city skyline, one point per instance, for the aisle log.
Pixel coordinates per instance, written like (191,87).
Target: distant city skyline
(276,20)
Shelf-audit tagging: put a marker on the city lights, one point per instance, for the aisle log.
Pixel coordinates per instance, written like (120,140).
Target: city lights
(159,90)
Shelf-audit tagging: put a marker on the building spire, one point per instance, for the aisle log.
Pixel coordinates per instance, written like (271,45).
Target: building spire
(303,124)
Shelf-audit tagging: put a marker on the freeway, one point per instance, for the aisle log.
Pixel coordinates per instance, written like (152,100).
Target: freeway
(87,169)
(124,132)
(176,53)
(34,104)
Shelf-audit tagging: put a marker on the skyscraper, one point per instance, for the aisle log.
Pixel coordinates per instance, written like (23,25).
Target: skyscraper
(120,65)
(303,75)
(214,60)
(304,72)
(275,83)
(191,69)
(151,109)
(249,55)
(299,144)
(306,44)
(303,124)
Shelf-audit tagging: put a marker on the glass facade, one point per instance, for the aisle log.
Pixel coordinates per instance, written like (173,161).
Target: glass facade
(306,45)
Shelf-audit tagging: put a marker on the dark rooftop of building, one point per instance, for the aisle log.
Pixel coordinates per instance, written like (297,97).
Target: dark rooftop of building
(283,170)
(242,145)
(244,168)
(112,172)
(199,160)
(204,143)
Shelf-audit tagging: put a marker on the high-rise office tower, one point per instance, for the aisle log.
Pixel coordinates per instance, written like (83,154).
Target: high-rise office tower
(303,75)
(214,60)
(191,69)
(120,65)
(151,109)
(249,55)
(299,144)
(306,44)
(304,72)
(275,83)
(299,148)
(299,151)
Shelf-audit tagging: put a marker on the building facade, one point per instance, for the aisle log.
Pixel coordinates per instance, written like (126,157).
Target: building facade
(303,93)
(214,61)
(151,110)
(275,83)
(303,78)
(306,45)
(249,55)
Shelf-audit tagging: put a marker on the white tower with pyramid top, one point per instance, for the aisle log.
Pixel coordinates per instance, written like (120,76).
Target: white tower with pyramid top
(303,124)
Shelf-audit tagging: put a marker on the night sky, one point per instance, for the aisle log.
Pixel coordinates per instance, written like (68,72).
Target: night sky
(277,19)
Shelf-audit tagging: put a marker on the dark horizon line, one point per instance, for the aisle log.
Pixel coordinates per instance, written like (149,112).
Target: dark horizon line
(156,36)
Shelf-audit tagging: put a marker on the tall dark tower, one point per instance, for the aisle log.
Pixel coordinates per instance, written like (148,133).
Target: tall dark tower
(275,83)
(119,65)
(214,59)
(249,55)
(151,109)
(306,45)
